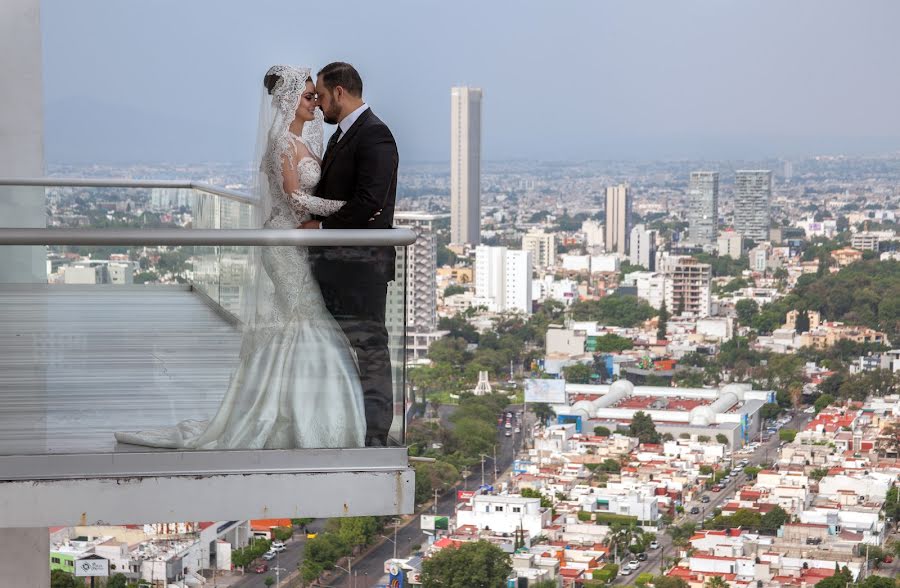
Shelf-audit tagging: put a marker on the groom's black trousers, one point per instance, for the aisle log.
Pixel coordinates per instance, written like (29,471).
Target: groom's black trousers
(355,294)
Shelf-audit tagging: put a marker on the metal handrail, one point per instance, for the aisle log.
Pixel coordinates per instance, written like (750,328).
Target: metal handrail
(45,182)
(209,237)
(331,237)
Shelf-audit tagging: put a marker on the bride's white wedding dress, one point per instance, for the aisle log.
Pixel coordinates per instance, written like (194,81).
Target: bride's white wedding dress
(297,386)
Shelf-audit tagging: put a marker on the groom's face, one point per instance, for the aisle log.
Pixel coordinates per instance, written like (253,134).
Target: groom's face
(325,98)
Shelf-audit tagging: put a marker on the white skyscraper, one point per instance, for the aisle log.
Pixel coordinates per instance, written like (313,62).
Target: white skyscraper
(465,165)
(518,281)
(593,234)
(703,207)
(642,247)
(503,278)
(618,219)
(542,246)
(752,192)
(412,296)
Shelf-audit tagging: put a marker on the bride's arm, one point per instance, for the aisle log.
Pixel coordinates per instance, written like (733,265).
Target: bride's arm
(290,177)
(315,205)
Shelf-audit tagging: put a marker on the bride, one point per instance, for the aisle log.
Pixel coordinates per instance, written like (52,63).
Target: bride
(297,384)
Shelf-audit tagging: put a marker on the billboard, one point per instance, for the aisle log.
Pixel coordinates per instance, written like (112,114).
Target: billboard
(435,523)
(464,495)
(549,391)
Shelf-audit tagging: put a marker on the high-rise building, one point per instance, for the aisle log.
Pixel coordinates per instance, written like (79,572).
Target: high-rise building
(618,219)
(412,296)
(593,234)
(518,281)
(642,247)
(503,278)
(752,193)
(688,287)
(542,246)
(703,207)
(731,244)
(465,165)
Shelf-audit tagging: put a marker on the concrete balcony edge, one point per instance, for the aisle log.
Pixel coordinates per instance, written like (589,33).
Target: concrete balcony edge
(205,497)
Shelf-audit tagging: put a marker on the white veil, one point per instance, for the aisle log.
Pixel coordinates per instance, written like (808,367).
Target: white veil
(276,113)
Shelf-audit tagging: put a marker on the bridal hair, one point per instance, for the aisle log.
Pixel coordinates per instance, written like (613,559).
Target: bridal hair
(269,82)
(343,75)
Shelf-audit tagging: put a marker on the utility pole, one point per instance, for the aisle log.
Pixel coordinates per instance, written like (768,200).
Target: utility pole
(435,500)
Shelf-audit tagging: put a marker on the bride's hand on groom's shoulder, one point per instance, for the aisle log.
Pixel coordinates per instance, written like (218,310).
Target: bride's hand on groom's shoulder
(310,224)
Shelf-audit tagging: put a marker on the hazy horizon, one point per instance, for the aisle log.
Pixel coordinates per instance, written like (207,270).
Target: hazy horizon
(178,82)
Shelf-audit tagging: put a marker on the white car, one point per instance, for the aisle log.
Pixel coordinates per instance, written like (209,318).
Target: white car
(277,546)
(625,571)
(654,545)
(269,555)
(634,564)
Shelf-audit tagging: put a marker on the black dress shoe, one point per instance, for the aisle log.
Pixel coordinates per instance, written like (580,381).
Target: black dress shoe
(374,442)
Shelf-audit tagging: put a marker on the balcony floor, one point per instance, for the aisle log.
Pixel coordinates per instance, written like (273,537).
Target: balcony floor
(80,362)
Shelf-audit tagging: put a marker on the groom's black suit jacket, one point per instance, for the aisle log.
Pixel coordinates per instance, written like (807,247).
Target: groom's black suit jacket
(361,168)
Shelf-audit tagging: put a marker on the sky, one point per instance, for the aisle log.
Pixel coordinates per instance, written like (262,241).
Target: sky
(179,81)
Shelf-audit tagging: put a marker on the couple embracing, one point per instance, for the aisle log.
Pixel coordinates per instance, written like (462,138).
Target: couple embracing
(315,370)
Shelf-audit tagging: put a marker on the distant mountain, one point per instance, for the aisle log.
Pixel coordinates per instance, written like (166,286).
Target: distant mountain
(83,130)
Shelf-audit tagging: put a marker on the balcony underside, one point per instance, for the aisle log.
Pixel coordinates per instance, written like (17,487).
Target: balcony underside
(78,363)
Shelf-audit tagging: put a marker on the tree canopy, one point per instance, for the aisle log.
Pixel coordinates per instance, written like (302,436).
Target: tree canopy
(478,564)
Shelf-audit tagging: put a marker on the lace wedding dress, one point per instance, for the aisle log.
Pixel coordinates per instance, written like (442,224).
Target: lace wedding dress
(297,385)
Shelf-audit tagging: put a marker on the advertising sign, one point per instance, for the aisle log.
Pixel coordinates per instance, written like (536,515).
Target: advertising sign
(434,522)
(549,391)
(464,495)
(92,566)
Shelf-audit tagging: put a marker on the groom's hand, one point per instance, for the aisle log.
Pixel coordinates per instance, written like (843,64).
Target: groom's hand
(310,224)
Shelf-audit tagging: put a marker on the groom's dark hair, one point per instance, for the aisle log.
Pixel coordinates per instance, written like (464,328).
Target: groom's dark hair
(344,75)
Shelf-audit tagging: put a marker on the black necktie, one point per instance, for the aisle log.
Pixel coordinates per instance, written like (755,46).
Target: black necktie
(333,141)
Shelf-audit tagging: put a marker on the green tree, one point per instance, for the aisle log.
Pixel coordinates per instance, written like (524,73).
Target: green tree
(746,310)
(283,533)
(720,438)
(532,493)
(802,323)
(61,579)
(269,581)
(612,343)
(663,322)
(716,582)
(770,410)
(117,581)
(818,473)
(578,373)
(643,428)
(453,289)
(787,435)
(601,431)
(616,310)
(473,565)
(669,582)
(774,519)
(823,401)
(542,411)
(752,471)
(838,580)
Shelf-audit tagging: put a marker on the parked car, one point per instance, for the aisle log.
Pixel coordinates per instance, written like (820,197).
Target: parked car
(277,546)
(312,535)
(642,557)
(260,568)
(508,433)
(704,499)
(517,430)
(634,564)
(625,571)
(269,555)
(716,488)
(654,545)
(695,510)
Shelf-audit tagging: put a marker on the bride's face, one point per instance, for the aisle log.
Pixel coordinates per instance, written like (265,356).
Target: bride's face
(306,109)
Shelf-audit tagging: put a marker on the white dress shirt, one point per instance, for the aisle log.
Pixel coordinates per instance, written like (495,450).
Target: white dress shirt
(350,119)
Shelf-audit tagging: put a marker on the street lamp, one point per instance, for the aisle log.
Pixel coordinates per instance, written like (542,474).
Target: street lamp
(394,540)
(348,569)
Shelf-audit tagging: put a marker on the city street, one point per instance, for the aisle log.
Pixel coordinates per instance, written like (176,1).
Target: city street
(287,560)
(765,453)
(369,571)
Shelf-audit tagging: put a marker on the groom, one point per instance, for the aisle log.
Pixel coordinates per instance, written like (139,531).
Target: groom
(360,166)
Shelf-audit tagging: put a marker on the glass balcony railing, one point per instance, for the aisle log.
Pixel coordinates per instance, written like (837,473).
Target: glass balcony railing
(132,324)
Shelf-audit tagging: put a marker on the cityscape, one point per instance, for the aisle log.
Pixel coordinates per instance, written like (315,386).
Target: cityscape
(629,371)
(708,395)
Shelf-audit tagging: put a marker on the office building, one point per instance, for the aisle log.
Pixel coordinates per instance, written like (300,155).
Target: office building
(465,165)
